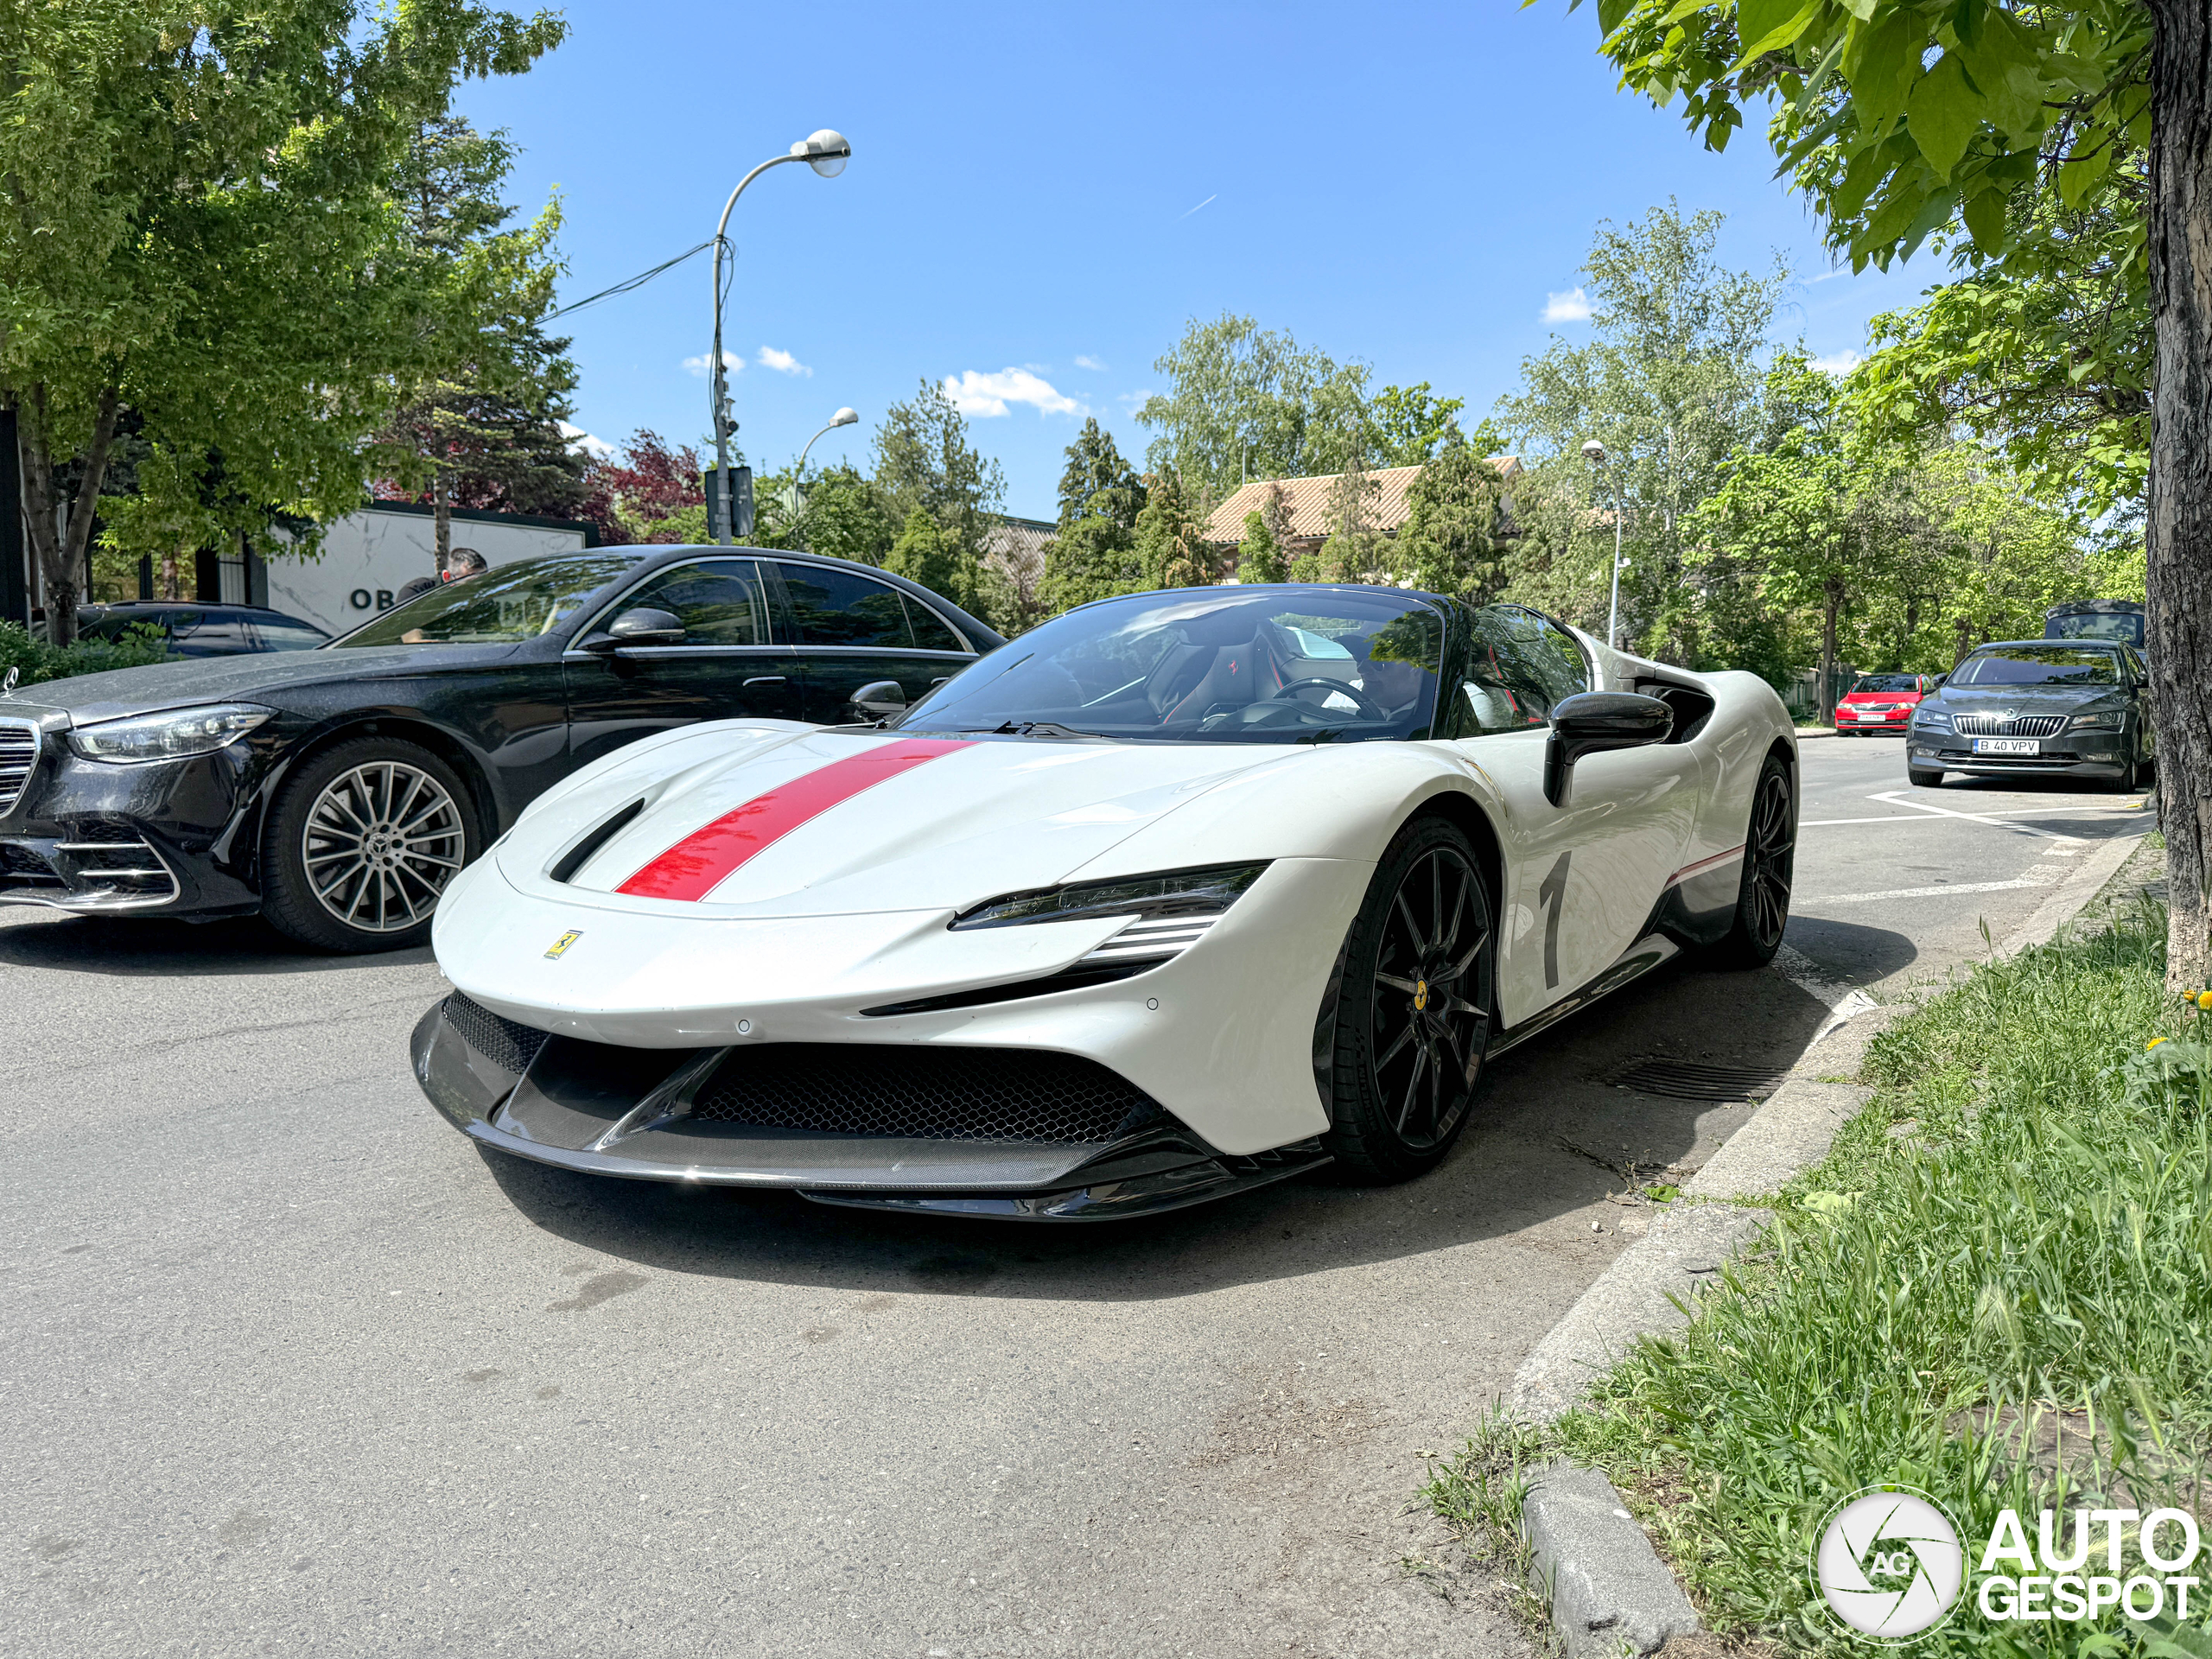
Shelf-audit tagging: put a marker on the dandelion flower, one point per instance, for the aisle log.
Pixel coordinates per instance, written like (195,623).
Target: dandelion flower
(2203,999)
(2152,1044)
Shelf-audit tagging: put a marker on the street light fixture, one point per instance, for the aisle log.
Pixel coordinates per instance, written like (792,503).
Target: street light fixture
(842,417)
(826,152)
(1594,453)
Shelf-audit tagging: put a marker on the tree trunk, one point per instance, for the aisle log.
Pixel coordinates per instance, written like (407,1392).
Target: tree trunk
(60,558)
(1832,593)
(2181,473)
(442,517)
(169,575)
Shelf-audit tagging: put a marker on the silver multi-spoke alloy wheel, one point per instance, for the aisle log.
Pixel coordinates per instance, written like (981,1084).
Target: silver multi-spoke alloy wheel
(379,845)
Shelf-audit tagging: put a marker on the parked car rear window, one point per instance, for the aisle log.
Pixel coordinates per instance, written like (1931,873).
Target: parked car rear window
(506,605)
(2039,665)
(1890,683)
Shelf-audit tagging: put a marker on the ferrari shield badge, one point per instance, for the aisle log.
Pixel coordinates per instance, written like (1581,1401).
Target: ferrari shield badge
(563,943)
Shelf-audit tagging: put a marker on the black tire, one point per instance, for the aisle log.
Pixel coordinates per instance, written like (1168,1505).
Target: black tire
(1770,864)
(1921,778)
(1415,1008)
(360,843)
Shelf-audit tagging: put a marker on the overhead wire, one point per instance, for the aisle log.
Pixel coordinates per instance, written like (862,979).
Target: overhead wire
(638,280)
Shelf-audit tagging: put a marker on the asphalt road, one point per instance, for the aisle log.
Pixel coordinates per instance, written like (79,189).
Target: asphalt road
(291,1368)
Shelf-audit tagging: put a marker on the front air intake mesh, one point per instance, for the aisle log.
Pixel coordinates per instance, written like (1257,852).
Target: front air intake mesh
(508,1045)
(934,1094)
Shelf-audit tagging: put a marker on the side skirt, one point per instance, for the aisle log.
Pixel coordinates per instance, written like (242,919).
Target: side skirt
(1111,1200)
(1639,959)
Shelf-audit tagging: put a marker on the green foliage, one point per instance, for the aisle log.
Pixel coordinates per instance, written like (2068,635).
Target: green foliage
(846,517)
(1260,556)
(1097,480)
(483,431)
(924,459)
(1993,1289)
(1092,558)
(925,553)
(1171,545)
(2015,134)
(1672,382)
(1449,543)
(1408,427)
(203,231)
(1244,402)
(35,660)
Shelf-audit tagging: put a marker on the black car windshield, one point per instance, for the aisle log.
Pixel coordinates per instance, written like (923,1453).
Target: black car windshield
(1208,665)
(506,605)
(2039,665)
(1892,682)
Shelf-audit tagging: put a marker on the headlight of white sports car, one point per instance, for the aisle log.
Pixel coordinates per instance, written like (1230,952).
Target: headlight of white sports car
(1167,913)
(171,735)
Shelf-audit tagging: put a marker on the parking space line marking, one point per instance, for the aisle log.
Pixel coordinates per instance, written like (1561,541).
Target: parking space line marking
(1901,818)
(1891,799)
(1924,893)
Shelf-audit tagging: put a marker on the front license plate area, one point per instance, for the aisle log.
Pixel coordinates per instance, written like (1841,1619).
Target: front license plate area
(2006,746)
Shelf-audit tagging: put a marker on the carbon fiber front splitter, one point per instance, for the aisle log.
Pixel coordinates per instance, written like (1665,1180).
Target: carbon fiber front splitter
(634,1128)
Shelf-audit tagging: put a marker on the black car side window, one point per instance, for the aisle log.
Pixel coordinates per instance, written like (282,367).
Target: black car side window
(719,602)
(830,607)
(930,632)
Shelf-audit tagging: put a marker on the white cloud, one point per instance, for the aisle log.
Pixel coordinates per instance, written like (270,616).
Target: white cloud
(1090,363)
(1213,198)
(1574,305)
(1838,362)
(782,362)
(697,365)
(1829,274)
(983,395)
(597,449)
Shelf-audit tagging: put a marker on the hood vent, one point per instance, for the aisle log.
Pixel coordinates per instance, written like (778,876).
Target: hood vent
(580,855)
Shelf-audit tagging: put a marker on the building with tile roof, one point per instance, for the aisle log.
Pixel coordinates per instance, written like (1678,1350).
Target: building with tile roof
(1309,501)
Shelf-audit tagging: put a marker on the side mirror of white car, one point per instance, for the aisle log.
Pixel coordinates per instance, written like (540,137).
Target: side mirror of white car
(1594,721)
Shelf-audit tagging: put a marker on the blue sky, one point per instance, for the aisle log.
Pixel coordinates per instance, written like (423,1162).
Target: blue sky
(1041,195)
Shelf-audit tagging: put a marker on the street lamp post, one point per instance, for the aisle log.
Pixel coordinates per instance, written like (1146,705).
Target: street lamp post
(826,152)
(842,417)
(1594,452)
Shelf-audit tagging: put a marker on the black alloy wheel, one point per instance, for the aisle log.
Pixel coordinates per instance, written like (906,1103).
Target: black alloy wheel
(360,843)
(1770,865)
(1923,777)
(1415,1007)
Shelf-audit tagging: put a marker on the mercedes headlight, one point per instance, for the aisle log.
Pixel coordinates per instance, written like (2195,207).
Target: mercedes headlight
(172,736)
(2107,720)
(1206,892)
(1931,719)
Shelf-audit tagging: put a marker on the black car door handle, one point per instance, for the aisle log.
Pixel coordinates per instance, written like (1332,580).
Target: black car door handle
(766,679)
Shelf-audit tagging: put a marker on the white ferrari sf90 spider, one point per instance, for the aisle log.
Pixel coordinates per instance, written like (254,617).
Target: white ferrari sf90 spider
(1181,892)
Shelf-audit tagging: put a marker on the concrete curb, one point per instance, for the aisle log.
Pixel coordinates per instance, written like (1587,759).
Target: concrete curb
(1577,1523)
(1606,1587)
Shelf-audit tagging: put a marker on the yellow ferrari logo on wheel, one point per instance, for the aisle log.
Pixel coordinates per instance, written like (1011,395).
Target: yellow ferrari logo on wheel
(1420,994)
(563,943)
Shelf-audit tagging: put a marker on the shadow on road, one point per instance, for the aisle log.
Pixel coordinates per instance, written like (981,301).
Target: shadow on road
(1551,1134)
(128,946)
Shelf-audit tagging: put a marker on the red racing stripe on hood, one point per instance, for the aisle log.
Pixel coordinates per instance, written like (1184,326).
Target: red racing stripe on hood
(699,863)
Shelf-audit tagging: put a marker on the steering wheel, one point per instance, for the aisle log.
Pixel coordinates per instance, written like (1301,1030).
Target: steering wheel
(1367,706)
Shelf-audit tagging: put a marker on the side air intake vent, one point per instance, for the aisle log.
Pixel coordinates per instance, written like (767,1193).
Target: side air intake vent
(580,855)
(507,1044)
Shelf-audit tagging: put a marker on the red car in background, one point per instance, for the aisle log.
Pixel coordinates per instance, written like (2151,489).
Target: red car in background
(1881,702)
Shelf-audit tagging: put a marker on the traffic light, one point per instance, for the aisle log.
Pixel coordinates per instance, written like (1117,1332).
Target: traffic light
(741,486)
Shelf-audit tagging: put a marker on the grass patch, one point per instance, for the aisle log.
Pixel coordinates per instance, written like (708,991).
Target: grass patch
(1996,1287)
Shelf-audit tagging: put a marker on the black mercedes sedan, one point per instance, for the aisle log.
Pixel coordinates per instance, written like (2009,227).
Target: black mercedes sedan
(2048,708)
(337,791)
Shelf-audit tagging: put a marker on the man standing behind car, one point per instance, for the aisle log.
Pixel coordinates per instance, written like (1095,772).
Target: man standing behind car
(461,562)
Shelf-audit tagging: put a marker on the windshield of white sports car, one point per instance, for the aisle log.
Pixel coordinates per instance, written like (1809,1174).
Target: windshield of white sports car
(1208,665)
